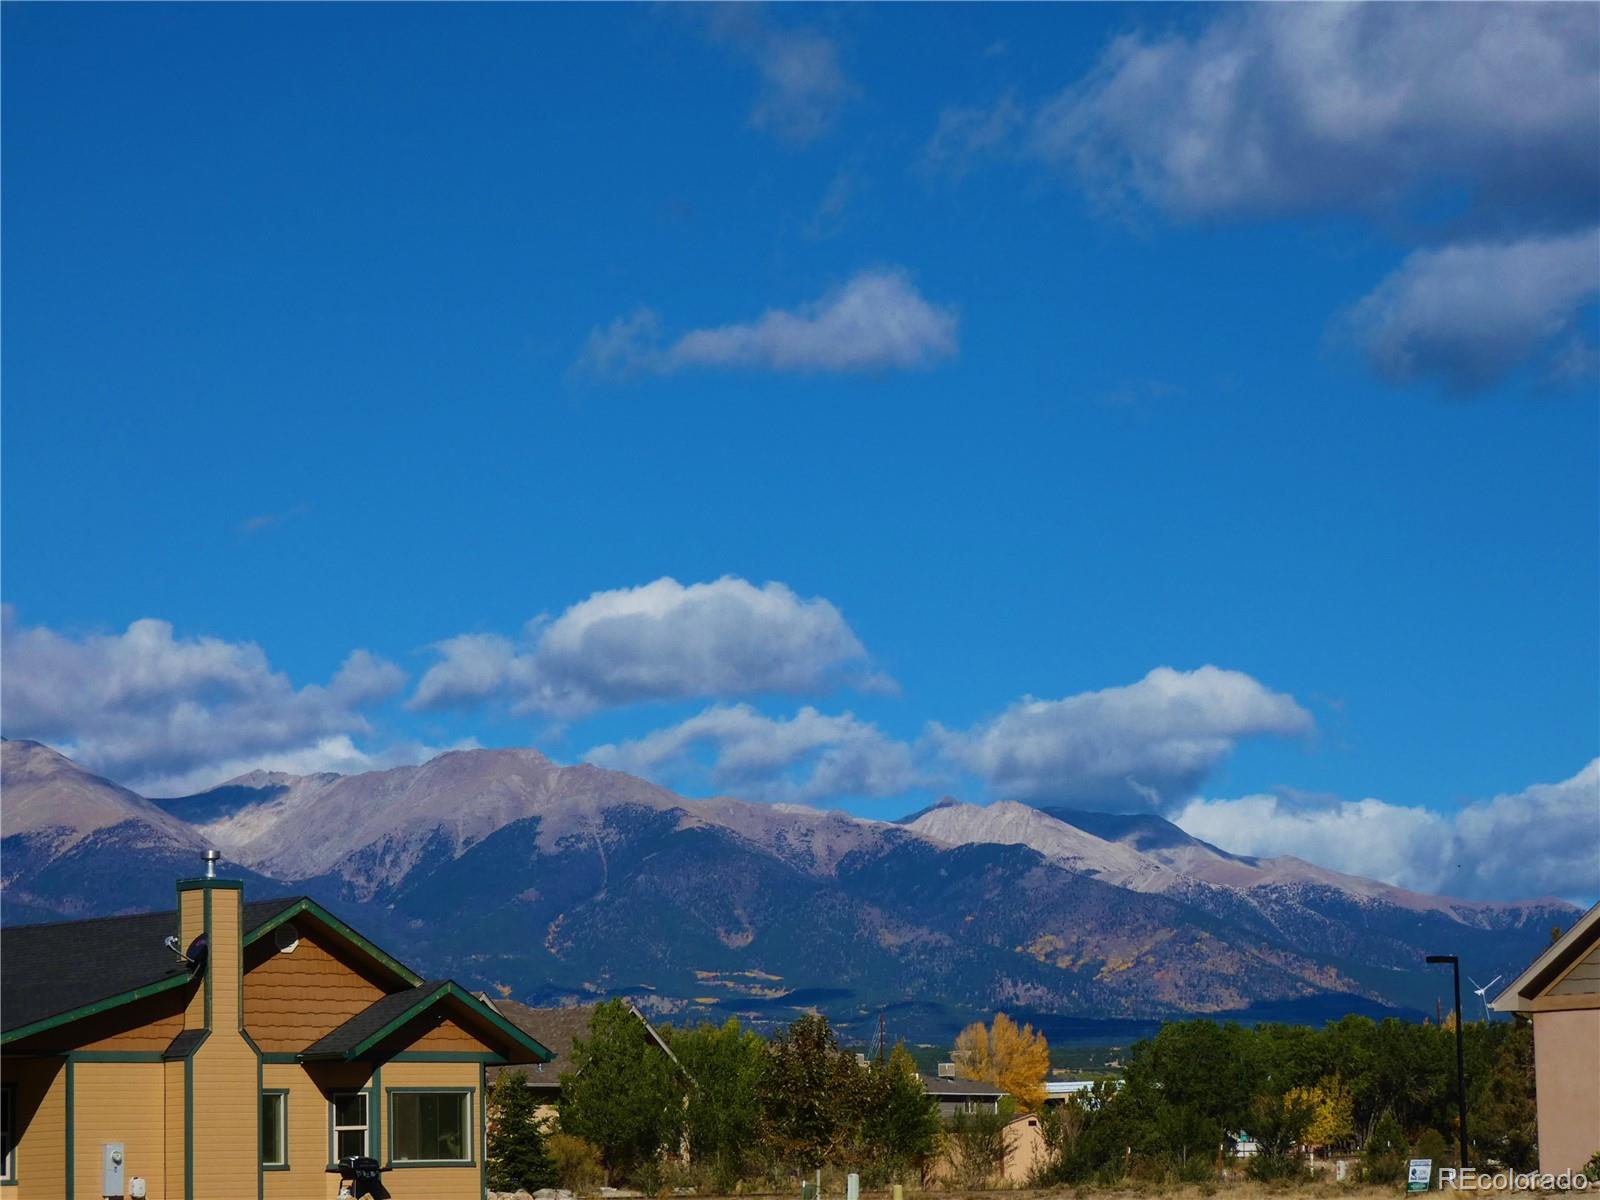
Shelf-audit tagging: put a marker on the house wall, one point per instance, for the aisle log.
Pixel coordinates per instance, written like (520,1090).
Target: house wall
(310,1093)
(119,1102)
(41,1123)
(1566,1049)
(1025,1150)
(1581,979)
(292,999)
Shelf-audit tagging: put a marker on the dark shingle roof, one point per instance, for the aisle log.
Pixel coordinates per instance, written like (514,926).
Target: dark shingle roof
(932,1085)
(60,967)
(370,1020)
(554,1028)
(185,1043)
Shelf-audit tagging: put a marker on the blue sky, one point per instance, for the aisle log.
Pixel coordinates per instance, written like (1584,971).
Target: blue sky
(945,357)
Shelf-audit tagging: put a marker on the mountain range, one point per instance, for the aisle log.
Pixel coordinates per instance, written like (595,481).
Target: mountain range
(554,884)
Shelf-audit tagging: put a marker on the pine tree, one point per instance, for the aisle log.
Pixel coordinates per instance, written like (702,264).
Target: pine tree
(517,1156)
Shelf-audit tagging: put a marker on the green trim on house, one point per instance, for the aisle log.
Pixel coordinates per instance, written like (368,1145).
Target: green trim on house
(307,905)
(89,1010)
(67,1140)
(455,1056)
(114,1056)
(188,1126)
(471,1142)
(280,1057)
(195,885)
(205,911)
(483,1130)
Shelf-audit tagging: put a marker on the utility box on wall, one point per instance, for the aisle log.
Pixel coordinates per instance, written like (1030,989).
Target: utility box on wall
(111,1166)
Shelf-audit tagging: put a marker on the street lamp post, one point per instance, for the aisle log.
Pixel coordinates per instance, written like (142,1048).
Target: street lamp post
(1461,1055)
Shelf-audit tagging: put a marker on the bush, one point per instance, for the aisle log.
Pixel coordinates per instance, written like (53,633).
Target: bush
(1383,1161)
(977,1147)
(1431,1145)
(577,1162)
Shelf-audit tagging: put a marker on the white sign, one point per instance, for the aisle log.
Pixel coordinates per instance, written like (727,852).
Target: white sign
(1418,1173)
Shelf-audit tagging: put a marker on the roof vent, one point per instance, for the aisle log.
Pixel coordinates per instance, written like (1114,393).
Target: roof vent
(212,857)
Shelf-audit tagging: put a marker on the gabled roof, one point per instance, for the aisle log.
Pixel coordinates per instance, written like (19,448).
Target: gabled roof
(559,1028)
(383,1018)
(1550,965)
(65,970)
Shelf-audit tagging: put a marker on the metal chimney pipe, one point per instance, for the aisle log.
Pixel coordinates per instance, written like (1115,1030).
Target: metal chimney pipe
(212,858)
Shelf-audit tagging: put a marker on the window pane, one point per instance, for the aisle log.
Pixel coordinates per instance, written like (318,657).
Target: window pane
(272,1130)
(429,1127)
(350,1109)
(350,1142)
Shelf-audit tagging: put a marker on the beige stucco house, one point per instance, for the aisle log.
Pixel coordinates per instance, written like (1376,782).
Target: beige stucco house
(1561,992)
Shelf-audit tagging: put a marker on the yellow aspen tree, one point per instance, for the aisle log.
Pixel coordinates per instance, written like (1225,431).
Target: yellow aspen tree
(1007,1055)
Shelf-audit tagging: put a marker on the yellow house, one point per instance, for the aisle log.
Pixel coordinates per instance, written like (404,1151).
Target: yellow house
(1561,992)
(237,1051)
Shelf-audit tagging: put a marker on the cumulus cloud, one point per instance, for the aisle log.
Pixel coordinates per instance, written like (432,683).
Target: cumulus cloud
(803,86)
(1292,108)
(661,641)
(1468,314)
(876,321)
(1134,747)
(146,705)
(805,758)
(1542,841)
(1483,113)
(338,754)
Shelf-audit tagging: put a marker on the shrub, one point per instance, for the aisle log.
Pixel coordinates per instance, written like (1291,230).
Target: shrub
(577,1162)
(977,1147)
(1383,1161)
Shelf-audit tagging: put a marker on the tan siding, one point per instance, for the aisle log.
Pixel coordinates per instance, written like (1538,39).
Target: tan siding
(225,958)
(226,1111)
(173,1097)
(291,1000)
(309,1090)
(148,1024)
(191,924)
(450,1036)
(41,1128)
(118,1102)
(1583,979)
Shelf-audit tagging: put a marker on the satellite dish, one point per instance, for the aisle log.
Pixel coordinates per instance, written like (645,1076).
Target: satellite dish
(287,937)
(196,953)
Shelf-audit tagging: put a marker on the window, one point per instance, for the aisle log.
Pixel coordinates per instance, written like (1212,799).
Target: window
(431,1127)
(350,1125)
(8,1133)
(275,1129)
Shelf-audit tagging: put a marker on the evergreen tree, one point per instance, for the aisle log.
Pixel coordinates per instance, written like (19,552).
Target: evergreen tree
(1505,1119)
(517,1157)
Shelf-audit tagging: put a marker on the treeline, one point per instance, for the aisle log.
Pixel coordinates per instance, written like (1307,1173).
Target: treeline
(1383,1089)
(721,1105)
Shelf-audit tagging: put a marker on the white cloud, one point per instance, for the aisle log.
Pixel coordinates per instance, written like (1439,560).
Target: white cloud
(1127,747)
(659,641)
(145,705)
(803,759)
(1310,107)
(1543,841)
(803,86)
(876,321)
(337,754)
(1470,313)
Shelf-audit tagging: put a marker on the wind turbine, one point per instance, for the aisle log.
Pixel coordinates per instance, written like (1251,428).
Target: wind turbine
(1482,993)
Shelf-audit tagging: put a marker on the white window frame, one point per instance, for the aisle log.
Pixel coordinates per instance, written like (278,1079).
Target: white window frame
(335,1129)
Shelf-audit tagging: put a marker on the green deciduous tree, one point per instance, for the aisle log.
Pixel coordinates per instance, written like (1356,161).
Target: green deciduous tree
(722,1117)
(900,1129)
(811,1095)
(623,1094)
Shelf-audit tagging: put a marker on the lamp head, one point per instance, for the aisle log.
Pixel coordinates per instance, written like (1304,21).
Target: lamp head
(1441,958)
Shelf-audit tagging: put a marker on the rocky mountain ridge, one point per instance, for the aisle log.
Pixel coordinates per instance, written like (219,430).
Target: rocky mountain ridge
(568,882)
